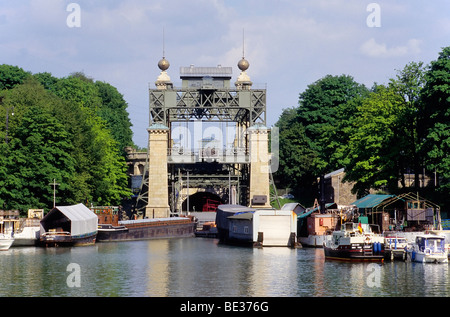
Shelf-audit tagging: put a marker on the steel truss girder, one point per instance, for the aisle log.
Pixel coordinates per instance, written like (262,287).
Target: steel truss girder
(216,105)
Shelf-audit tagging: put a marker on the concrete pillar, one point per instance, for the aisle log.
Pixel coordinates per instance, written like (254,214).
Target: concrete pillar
(158,187)
(259,166)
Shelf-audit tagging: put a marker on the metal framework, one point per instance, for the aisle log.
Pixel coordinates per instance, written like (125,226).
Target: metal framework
(208,104)
(205,95)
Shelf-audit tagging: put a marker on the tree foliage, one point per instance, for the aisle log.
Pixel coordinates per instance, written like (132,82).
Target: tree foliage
(375,142)
(56,131)
(435,119)
(376,135)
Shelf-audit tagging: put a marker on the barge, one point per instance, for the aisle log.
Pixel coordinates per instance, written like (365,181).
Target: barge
(67,226)
(110,228)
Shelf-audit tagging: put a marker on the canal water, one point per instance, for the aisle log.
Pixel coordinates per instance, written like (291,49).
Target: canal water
(199,267)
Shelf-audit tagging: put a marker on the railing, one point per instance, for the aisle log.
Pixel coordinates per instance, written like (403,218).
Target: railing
(234,155)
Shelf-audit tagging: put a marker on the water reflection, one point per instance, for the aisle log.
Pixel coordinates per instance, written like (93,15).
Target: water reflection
(202,267)
(157,268)
(272,272)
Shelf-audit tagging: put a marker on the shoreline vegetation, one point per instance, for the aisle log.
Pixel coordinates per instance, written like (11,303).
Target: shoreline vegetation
(72,131)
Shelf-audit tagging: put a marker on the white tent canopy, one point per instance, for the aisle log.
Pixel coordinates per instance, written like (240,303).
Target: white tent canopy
(78,219)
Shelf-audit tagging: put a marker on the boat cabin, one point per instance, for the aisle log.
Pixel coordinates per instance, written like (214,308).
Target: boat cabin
(431,243)
(107,215)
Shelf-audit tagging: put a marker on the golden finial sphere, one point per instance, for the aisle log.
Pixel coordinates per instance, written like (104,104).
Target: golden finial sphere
(163,64)
(243,64)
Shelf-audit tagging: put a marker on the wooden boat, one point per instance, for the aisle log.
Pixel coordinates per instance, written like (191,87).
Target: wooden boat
(208,230)
(68,226)
(110,228)
(429,248)
(355,242)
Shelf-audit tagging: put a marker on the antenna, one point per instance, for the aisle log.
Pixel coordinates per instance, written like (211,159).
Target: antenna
(243,42)
(164,50)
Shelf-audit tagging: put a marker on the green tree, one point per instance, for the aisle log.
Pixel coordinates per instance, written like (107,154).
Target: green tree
(101,172)
(57,133)
(435,119)
(295,155)
(320,111)
(47,80)
(114,112)
(10,76)
(408,84)
(376,142)
(38,152)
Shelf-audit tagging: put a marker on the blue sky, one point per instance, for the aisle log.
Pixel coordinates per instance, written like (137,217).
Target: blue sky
(289,43)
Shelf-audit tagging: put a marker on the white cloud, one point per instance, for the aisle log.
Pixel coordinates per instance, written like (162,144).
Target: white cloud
(373,49)
(289,43)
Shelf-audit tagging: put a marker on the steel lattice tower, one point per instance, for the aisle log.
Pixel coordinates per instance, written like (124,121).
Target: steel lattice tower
(205,97)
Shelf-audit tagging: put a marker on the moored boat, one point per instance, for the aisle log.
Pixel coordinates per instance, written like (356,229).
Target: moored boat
(68,226)
(5,241)
(395,246)
(207,230)
(429,248)
(355,242)
(222,219)
(7,221)
(110,228)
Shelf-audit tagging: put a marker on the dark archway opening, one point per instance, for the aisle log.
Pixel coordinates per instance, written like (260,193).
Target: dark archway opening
(202,201)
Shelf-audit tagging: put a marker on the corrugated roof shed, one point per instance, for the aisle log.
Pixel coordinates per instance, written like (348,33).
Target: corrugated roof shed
(371,200)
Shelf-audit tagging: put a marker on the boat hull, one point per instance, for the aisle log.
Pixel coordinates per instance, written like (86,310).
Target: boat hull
(5,243)
(146,230)
(351,255)
(59,240)
(429,258)
(314,241)
(28,237)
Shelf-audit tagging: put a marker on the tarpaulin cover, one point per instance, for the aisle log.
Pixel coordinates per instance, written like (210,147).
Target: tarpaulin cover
(82,219)
(371,200)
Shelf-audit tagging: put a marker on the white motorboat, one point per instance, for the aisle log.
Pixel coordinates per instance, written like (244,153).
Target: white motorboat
(355,242)
(429,248)
(5,241)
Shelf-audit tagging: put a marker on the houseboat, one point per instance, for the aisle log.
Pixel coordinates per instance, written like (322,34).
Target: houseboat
(68,226)
(261,227)
(319,228)
(429,248)
(110,228)
(355,242)
(223,223)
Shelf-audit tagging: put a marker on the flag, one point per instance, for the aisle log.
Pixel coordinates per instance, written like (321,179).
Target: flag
(360,227)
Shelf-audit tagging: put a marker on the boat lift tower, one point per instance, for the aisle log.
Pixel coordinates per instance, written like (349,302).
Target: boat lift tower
(239,171)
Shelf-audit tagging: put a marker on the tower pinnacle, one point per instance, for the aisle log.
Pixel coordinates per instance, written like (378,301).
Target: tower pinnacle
(163,80)
(243,81)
